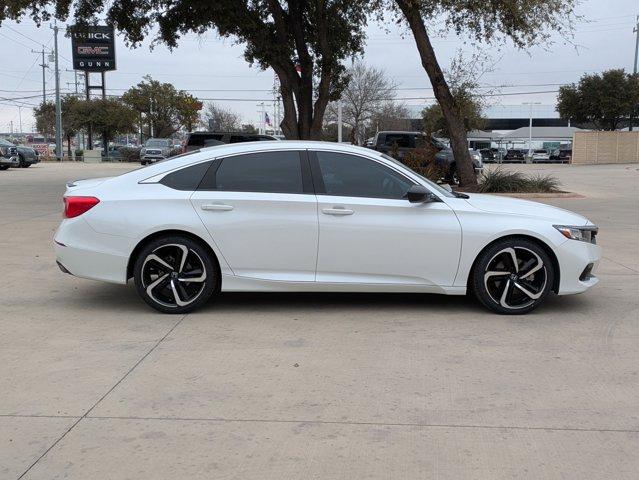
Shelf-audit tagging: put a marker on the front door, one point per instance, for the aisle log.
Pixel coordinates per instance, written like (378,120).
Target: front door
(370,233)
(261,212)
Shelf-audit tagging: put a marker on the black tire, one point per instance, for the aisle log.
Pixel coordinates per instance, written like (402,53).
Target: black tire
(452,177)
(170,272)
(21,161)
(4,167)
(26,165)
(508,289)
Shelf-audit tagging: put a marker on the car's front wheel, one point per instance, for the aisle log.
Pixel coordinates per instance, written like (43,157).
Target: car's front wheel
(513,276)
(175,274)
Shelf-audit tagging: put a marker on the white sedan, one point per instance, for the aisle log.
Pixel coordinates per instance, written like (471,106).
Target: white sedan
(314,216)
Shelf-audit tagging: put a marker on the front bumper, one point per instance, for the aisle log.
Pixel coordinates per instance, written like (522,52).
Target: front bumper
(9,161)
(577,263)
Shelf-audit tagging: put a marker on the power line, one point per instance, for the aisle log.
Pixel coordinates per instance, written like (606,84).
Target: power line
(14,40)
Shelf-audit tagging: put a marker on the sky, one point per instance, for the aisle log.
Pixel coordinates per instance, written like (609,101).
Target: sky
(214,69)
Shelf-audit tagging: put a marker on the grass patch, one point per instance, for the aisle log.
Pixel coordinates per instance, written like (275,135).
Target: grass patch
(501,181)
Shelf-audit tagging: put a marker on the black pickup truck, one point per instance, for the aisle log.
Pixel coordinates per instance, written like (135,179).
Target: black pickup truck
(8,155)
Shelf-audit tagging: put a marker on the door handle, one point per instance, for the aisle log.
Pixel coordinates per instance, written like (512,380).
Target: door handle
(221,207)
(337,211)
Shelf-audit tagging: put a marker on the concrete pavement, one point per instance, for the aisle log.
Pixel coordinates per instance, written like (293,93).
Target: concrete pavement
(94,384)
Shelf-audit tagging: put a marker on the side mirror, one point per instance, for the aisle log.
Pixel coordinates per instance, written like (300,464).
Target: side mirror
(420,194)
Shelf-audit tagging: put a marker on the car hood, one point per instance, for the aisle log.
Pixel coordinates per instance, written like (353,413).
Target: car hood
(525,208)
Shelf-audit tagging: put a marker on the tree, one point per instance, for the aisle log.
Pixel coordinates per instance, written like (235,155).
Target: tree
(220,119)
(71,123)
(109,117)
(524,23)
(304,42)
(45,119)
(367,91)
(391,116)
(162,109)
(248,128)
(607,100)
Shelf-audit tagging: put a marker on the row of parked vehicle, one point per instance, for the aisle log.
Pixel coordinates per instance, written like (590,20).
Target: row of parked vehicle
(16,155)
(517,155)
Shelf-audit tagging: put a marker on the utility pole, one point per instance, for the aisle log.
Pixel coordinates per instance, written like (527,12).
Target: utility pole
(44,66)
(339,121)
(20,119)
(636,30)
(58,106)
(530,125)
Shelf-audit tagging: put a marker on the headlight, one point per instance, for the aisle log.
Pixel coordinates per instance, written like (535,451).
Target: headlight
(583,234)
(143,151)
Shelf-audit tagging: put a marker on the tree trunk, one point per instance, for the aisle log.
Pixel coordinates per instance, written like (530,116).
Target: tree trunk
(456,128)
(69,148)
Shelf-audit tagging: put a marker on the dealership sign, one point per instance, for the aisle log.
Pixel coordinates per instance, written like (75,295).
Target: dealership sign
(93,48)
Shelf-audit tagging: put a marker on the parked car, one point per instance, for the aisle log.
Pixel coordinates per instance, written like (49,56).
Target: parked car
(391,142)
(540,156)
(197,140)
(514,156)
(8,155)
(244,217)
(446,158)
(27,156)
(561,155)
(156,149)
(488,155)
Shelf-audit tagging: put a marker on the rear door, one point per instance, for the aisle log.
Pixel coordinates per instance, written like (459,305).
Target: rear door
(261,211)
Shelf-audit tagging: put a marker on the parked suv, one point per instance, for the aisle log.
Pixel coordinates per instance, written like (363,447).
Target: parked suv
(8,155)
(514,155)
(402,142)
(199,140)
(27,156)
(446,158)
(156,149)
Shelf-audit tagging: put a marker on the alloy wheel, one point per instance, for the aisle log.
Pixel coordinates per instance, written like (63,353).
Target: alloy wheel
(173,275)
(515,277)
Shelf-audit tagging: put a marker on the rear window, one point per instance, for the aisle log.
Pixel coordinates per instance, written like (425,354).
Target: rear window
(399,139)
(274,172)
(187,178)
(200,139)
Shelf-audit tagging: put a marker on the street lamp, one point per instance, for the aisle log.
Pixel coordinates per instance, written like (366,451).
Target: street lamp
(530,125)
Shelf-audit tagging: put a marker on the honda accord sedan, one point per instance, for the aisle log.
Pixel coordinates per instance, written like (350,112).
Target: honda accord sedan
(315,217)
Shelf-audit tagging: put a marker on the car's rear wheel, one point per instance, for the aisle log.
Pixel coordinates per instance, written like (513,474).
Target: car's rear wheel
(4,167)
(175,274)
(513,276)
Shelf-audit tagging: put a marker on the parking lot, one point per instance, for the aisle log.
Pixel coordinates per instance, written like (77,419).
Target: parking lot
(95,385)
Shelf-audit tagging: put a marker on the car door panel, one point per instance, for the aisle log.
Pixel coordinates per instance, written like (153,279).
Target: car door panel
(376,240)
(263,235)
(268,235)
(387,241)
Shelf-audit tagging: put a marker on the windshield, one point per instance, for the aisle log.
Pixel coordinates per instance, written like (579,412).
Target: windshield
(439,188)
(157,143)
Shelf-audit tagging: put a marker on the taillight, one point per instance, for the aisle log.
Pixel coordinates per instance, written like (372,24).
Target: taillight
(76,206)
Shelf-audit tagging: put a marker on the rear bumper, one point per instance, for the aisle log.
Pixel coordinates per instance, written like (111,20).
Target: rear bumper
(83,252)
(575,258)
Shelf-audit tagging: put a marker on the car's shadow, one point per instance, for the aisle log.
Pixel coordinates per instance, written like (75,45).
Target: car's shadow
(124,299)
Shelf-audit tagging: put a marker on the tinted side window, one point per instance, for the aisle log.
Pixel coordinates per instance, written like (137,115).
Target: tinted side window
(400,139)
(275,172)
(352,176)
(199,140)
(187,178)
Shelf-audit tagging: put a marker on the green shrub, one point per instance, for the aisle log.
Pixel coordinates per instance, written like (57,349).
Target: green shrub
(501,181)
